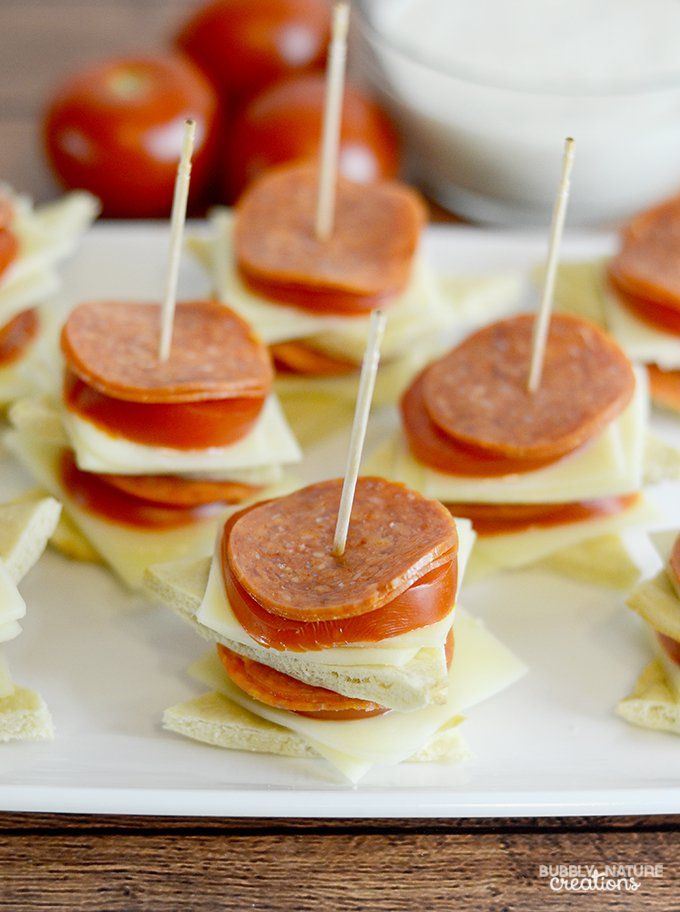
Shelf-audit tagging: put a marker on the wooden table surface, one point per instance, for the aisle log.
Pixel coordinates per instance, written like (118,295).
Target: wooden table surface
(122,863)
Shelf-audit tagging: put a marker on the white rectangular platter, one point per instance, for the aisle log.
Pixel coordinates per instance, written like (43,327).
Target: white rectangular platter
(108,664)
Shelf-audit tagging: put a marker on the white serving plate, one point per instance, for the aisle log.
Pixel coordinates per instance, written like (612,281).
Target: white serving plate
(108,664)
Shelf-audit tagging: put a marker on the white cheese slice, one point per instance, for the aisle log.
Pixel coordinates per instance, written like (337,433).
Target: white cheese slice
(127,550)
(216,613)
(482,667)
(6,682)
(12,605)
(663,542)
(609,466)
(641,341)
(520,549)
(416,312)
(270,442)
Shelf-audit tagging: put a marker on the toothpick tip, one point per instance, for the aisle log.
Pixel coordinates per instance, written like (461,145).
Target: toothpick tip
(341,12)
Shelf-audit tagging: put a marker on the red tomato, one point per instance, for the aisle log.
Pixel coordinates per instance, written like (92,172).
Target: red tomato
(116,129)
(284,122)
(243,45)
(671,646)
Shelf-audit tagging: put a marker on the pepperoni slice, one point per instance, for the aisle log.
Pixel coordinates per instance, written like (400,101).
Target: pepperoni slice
(17,335)
(179,425)
(664,387)
(425,602)
(298,358)
(92,493)
(432,447)
(169,490)
(647,264)
(113,347)
(9,243)
(280,551)
(670,646)
(674,561)
(281,691)
(477,394)
(273,688)
(660,316)
(497,519)
(365,262)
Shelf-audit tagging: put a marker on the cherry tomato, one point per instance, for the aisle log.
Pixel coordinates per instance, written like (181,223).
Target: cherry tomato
(243,45)
(116,129)
(284,122)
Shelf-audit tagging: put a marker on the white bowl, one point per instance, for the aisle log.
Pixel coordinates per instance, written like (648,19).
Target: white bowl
(491,152)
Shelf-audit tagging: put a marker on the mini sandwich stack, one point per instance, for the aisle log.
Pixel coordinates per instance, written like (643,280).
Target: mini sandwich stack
(535,472)
(25,528)
(311,300)
(357,658)
(655,701)
(149,455)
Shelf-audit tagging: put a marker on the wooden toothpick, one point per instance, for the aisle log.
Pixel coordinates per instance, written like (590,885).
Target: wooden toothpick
(369,369)
(542,321)
(177,220)
(332,118)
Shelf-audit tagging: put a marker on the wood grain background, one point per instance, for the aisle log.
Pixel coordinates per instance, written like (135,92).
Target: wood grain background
(109,863)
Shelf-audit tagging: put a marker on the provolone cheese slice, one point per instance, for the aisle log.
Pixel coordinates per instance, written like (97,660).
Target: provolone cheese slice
(270,442)
(609,466)
(46,236)
(657,603)
(216,613)
(481,668)
(127,550)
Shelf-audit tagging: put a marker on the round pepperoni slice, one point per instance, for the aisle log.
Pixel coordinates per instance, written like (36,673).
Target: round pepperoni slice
(664,386)
(660,316)
(280,552)
(498,519)
(298,358)
(281,691)
(17,335)
(477,394)
(433,448)
(93,494)
(9,243)
(670,646)
(647,264)
(179,425)
(674,562)
(169,490)
(366,261)
(424,603)
(113,347)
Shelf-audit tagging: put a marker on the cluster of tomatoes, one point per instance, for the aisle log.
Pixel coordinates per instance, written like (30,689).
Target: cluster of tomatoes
(249,72)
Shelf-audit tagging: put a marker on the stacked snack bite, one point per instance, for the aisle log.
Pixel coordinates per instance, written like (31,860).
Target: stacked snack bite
(26,527)
(642,298)
(534,471)
(655,700)
(32,244)
(355,658)
(148,455)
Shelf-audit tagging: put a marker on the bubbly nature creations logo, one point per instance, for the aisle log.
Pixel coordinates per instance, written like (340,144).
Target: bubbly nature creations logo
(598,878)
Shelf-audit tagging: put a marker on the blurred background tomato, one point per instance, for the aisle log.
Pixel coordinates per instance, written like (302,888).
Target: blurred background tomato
(250,73)
(243,45)
(283,123)
(116,129)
